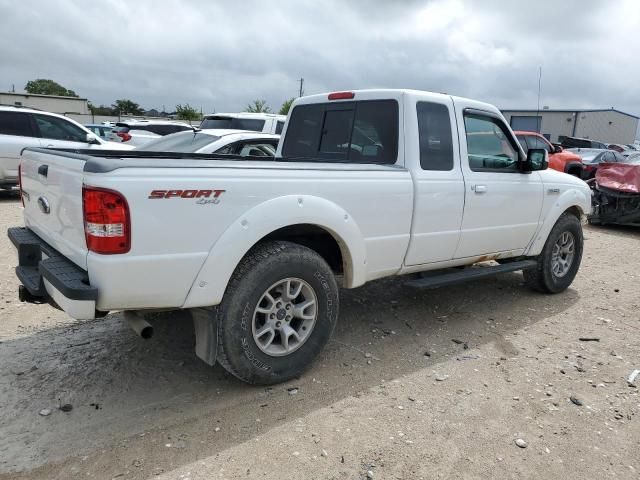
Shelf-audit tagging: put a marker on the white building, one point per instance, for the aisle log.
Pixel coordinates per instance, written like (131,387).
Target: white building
(608,126)
(49,103)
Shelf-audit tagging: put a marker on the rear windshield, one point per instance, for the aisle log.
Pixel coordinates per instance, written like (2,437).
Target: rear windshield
(233,123)
(575,143)
(16,123)
(188,142)
(158,129)
(352,132)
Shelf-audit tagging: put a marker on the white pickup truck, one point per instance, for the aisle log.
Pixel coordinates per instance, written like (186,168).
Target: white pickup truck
(364,185)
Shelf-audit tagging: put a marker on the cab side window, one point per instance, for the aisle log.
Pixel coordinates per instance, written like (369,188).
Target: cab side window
(537,142)
(58,129)
(489,146)
(434,129)
(522,139)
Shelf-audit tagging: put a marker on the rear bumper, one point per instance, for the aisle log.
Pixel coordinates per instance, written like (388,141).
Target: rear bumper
(50,277)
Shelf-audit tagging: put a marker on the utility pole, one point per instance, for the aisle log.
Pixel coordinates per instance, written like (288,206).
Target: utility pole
(301,87)
(538,119)
(13,88)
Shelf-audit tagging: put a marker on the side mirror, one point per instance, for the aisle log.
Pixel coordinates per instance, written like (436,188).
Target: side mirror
(536,160)
(92,139)
(557,149)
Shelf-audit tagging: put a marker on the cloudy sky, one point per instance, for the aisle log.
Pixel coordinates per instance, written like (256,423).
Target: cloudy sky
(219,55)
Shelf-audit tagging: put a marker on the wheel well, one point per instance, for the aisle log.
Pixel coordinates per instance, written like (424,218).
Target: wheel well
(575,211)
(317,239)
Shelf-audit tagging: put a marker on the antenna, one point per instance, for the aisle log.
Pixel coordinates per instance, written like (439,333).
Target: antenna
(538,119)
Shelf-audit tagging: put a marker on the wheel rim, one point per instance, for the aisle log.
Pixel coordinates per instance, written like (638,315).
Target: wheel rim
(284,317)
(563,254)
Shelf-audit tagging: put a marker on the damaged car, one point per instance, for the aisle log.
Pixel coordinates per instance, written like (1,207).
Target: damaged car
(616,193)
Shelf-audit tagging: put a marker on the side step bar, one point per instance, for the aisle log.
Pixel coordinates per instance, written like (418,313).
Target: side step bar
(467,274)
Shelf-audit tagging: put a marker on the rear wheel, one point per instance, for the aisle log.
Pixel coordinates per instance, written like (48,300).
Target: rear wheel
(277,314)
(560,259)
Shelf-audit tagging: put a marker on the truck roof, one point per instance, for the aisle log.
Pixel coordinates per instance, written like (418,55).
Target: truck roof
(379,93)
(260,116)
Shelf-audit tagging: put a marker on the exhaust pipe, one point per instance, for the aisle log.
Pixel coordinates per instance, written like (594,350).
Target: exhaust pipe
(139,325)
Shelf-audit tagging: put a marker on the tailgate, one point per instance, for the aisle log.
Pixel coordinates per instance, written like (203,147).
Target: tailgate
(52,191)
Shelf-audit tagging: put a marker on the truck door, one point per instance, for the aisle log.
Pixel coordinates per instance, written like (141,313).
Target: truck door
(434,160)
(16,132)
(502,205)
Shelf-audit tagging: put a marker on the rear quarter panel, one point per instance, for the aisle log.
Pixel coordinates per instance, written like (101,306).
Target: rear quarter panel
(185,250)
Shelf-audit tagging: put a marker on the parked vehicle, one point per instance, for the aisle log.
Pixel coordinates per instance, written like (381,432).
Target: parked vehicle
(255,122)
(630,154)
(22,127)
(365,185)
(616,193)
(559,159)
(616,147)
(99,129)
(574,142)
(593,157)
(230,142)
(138,132)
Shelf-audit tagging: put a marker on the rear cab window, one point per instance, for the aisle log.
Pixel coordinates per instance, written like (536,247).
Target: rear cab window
(350,132)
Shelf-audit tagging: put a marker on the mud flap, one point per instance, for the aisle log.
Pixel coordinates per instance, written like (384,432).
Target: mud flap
(206,329)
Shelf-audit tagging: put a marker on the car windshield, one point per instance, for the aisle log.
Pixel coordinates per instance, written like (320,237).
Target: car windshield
(186,142)
(233,123)
(590,157)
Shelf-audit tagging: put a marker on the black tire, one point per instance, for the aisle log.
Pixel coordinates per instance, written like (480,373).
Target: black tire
(262,267)
(542,278)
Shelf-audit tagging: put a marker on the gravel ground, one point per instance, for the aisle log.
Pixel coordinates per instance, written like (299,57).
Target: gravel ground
(439,384)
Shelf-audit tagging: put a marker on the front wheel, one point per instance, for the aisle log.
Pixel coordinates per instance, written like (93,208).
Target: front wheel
(559,261)
(277,314)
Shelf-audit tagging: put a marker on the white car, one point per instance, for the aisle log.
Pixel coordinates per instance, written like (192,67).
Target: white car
(27,127)
(217,141)
(255,122)
(138,132)
(364,185)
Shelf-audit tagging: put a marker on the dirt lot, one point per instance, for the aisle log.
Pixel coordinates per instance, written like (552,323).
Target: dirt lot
(437,384)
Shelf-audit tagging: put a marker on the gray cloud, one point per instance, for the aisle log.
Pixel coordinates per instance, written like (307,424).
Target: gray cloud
(221,55)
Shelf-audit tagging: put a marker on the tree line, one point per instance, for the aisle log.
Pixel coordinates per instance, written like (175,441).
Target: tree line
(43,86)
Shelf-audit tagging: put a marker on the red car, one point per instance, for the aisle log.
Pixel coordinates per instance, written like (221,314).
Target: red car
(559,159)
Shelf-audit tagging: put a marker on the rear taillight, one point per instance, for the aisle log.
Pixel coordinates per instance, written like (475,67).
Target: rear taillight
(20,182)
(124,136)
(106,221)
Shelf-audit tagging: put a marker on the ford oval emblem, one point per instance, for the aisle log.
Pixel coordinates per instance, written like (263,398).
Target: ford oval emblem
(43,203)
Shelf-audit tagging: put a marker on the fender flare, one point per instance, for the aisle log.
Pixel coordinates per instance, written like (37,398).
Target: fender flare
(252,226)
(572,198)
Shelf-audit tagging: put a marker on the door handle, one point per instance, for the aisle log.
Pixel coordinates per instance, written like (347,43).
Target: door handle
(50,146)
(479,188)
